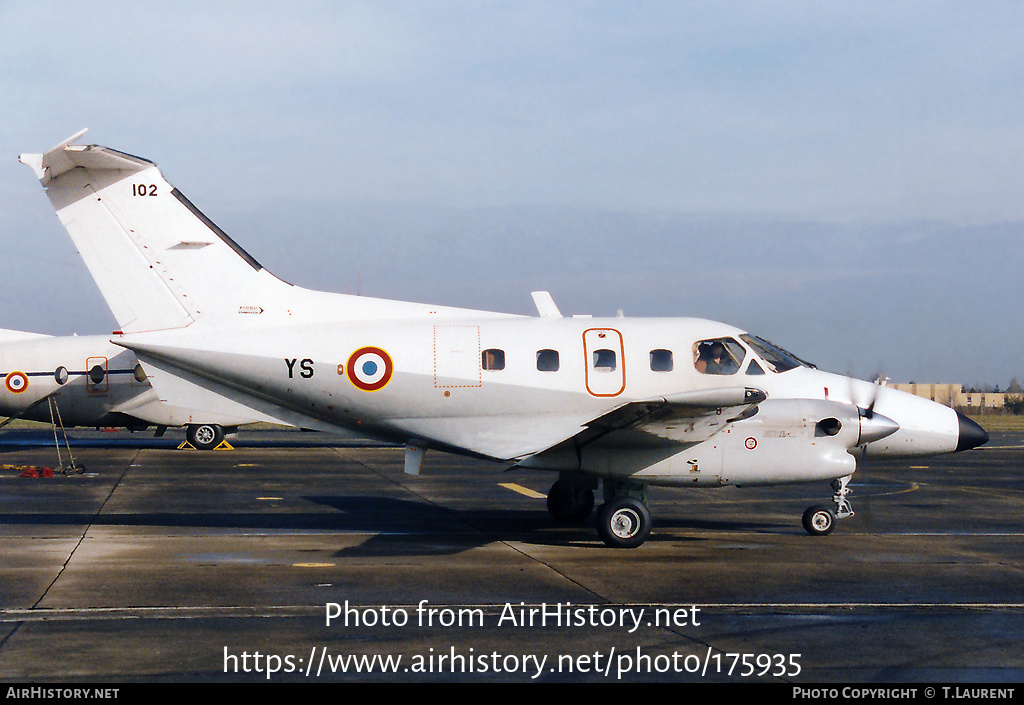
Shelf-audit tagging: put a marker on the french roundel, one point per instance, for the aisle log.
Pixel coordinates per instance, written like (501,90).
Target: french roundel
(370,369)
(16,382)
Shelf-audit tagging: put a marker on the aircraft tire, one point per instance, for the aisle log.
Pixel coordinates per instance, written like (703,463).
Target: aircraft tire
(624,522)
(567,508)
(819,520)
(206,436)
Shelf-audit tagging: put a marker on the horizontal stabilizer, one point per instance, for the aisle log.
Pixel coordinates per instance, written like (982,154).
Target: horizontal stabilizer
(64,157)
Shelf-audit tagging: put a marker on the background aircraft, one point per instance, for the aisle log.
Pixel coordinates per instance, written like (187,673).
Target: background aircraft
(88,381)
(629,402)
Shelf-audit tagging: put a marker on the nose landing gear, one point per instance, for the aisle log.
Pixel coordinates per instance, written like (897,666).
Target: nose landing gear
(820,519)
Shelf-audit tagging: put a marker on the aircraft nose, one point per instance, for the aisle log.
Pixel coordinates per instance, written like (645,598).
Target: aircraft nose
(971,434)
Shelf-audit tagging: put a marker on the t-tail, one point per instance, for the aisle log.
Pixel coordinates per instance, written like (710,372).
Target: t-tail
(161,264)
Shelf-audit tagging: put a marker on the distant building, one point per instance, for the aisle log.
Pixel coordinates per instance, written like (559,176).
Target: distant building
(953,395)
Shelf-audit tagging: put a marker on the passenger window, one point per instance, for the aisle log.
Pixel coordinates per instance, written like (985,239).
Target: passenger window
(547,360)
(721,356)
(97,374)
(661,361)
(493,359)
(604,360)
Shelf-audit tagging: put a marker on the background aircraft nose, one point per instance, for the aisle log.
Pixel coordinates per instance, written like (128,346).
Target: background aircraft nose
(971,434)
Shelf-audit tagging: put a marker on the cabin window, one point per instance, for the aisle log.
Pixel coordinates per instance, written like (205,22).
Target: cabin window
(547,360)
(493,359)
(719,356)
(661,361)
(604,360)
(97,374)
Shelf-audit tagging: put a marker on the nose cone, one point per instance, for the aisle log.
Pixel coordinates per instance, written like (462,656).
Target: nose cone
(971,434)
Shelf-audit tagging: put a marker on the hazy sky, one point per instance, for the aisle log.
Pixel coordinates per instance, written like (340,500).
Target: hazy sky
(328,117)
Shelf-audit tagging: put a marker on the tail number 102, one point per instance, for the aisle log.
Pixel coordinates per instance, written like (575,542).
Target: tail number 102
(143,189)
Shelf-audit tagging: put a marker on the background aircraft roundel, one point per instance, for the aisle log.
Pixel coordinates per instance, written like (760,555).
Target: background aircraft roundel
(16,382)
(370,369)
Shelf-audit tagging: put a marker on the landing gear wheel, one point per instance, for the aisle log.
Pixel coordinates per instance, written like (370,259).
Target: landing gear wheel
(819,520)
(569,507)
(205,436)
(624,522)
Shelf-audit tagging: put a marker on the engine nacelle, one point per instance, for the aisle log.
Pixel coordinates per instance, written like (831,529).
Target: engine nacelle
(787,440)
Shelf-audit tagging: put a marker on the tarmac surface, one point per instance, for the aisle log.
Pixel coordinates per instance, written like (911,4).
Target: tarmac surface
(291,561)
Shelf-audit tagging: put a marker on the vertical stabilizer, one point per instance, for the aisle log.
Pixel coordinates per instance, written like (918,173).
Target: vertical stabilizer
(158,261)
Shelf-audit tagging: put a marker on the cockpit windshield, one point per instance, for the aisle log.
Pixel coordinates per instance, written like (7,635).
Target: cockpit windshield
(778,360)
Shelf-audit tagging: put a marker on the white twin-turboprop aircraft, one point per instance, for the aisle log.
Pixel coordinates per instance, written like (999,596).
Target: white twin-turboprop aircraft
(631,402)
(88,381)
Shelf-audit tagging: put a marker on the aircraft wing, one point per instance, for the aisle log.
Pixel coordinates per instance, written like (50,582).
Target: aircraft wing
(688,418)
(31,406)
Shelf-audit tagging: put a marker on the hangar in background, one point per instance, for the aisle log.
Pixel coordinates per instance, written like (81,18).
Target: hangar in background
(953,395)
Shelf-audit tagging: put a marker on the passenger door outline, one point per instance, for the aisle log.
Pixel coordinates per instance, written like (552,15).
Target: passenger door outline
(604,382)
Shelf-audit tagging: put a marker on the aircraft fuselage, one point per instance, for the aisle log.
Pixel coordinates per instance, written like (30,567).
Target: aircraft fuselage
(511,387)
(96,382)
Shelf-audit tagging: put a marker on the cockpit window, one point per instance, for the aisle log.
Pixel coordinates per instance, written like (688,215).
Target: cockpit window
(777,359)
(721,356)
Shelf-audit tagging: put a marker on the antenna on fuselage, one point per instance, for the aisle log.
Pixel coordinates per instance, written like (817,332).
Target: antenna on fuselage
(545,304)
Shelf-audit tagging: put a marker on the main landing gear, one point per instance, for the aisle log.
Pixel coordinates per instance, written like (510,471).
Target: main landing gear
(623,521)
(205,436)
(820,519)
(570,502)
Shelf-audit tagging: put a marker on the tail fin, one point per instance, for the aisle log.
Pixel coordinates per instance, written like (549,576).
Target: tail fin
(158,261)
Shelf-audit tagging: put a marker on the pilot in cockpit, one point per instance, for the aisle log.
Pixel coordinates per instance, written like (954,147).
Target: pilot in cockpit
(714,359)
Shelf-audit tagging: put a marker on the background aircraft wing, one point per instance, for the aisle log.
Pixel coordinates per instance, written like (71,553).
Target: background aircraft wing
(29,408)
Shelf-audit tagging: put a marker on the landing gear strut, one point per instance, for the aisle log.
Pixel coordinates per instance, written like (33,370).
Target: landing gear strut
(820,519)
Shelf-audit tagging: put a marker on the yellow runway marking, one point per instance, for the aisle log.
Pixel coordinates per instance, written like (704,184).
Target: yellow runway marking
(522,490)
(313,565)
